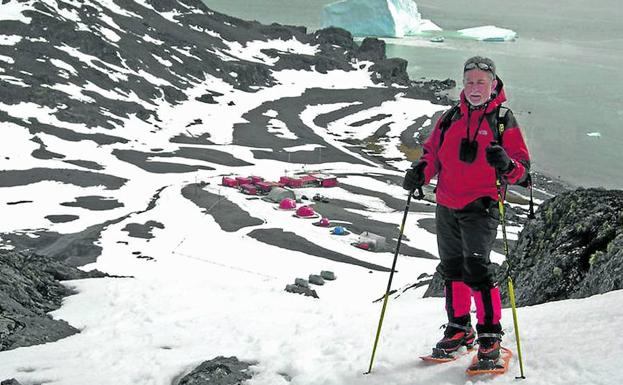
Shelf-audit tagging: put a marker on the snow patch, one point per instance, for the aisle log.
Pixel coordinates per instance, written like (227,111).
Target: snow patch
(7,59)
(162,61)
(13,11)
(62,65)
(13,80)
(150,39)
(10,39)
(251,51)
(109,34)
(280,129)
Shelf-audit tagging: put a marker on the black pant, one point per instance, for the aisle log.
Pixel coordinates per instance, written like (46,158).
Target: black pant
(465,238)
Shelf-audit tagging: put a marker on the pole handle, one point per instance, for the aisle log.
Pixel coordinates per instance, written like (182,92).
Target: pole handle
(420,193)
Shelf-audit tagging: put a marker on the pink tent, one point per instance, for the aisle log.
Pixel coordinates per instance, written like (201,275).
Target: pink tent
(306,212)
(323,222)
(287,204)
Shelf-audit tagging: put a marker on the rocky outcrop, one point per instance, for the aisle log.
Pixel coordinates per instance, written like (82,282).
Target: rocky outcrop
(372,49)
(12,381)
(573,249)
(29,289)
(218,371)
(390,71)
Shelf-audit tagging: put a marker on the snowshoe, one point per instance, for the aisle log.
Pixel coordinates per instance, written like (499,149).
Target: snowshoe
(440,356)
(457,341)
(491,366)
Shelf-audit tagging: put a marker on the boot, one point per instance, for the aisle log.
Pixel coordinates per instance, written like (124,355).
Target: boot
(489,339)
(489,346)
(455,337)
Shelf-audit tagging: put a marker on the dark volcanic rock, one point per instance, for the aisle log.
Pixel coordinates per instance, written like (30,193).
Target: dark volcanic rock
(10,178)
(29,289)
(573,249)
(334,36)
(297,289)
(85,164)
(188,139)
(74,249)
(143,160)
(12,381)
(228,215)
(218,371)
(61,218)
(390,71)
(371,49)
(42,152)
(291,241)
(94,202)
(138,230)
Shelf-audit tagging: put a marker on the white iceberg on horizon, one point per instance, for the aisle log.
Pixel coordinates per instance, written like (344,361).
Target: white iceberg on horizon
(489,33)
(383,18)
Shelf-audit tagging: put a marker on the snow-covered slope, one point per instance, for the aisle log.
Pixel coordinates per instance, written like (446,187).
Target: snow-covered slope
(120,117)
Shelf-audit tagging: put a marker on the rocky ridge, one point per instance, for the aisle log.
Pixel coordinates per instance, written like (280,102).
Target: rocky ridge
(29,289)
(573,249)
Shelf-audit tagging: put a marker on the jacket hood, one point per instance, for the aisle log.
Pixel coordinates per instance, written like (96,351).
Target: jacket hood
(498,96)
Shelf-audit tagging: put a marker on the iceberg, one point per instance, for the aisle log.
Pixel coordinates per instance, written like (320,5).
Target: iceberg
(488,33)
(382,18)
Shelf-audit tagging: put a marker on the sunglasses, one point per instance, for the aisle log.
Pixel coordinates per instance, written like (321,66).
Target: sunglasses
(481,66)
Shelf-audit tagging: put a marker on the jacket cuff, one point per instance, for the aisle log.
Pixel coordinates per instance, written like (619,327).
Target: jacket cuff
(515,173)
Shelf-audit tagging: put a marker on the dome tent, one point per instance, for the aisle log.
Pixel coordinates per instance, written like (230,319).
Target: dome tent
(339,230)
(287,204)
(323,222)
(306,212)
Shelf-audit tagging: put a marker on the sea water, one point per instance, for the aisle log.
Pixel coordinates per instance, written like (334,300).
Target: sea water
(563,75)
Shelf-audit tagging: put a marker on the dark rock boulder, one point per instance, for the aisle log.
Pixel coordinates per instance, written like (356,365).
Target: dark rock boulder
(298,289)
(12,381)
(29,289)
(334,36)
(218,371)
(390,71)
(573,249)
(371,49)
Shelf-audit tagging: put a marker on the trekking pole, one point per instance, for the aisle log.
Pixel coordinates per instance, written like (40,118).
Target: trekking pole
(391,273)
(511,289)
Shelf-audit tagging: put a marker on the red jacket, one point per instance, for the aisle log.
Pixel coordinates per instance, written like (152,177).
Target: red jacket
(460,183)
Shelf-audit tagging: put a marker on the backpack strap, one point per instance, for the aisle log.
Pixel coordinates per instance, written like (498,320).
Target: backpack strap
(446,120)
(498,120)
(500,124)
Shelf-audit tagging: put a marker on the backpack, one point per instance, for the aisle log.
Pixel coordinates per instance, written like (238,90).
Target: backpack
(498,120)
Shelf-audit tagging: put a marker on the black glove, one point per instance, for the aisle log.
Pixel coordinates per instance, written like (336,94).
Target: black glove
(499,159)
(415,178)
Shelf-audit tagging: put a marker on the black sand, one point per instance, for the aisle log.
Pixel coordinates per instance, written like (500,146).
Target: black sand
(291,241)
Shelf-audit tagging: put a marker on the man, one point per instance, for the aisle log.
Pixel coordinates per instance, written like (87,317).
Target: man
(467,154)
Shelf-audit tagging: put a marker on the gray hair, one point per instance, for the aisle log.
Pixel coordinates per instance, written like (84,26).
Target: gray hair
(481,63)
